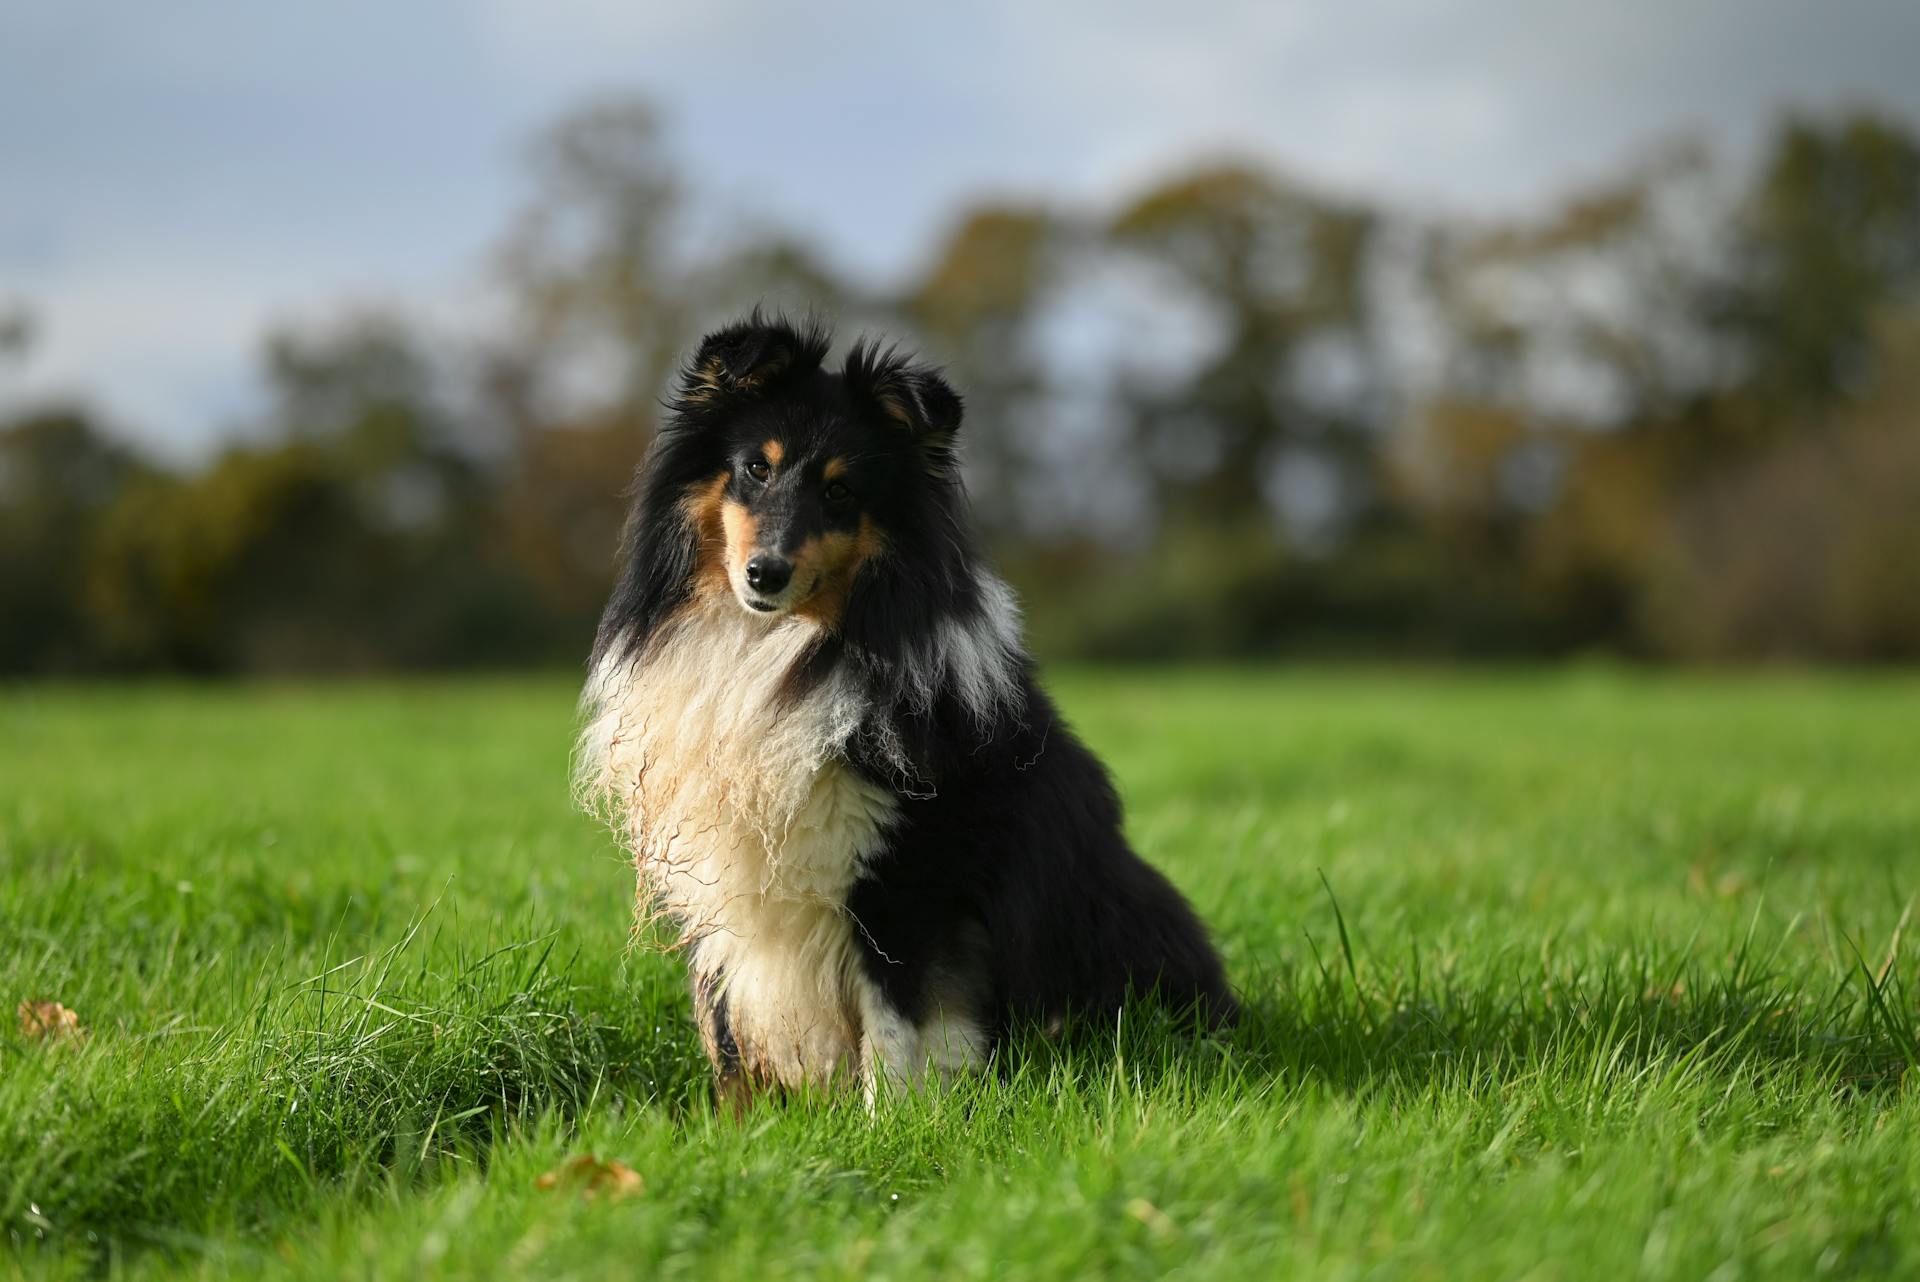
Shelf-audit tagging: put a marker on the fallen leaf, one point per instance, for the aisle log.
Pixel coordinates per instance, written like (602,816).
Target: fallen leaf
(595,1177)
(49,1022)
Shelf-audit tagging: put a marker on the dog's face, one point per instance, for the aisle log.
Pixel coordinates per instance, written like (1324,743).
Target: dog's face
(793,511)
(807,471)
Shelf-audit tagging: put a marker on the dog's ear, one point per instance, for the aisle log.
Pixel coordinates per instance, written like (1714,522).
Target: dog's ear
(747,359)
(912,397)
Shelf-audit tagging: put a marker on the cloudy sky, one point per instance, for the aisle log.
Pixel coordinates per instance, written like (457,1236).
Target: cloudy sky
(176,177)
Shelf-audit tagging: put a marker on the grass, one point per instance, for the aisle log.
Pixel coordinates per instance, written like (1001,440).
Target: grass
(1551,976)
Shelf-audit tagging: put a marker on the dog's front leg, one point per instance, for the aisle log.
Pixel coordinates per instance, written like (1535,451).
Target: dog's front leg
(731,1087)
(891,1056)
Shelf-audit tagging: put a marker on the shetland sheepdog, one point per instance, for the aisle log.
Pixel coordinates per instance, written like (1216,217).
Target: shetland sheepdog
(812,719)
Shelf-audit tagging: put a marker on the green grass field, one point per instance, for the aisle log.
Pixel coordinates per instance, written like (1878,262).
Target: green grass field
(1607,978)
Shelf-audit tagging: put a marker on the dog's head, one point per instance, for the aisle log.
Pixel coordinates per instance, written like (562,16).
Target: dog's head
(794,477)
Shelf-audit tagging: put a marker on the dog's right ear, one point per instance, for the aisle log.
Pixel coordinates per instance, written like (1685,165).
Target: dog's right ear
(747,359)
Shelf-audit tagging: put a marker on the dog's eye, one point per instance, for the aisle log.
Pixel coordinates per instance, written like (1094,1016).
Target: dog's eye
(759,470)
(837,492)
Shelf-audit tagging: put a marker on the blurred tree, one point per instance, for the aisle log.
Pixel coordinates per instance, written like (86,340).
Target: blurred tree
(1829,241)
(334,382)
(1810,549)
(1646,347)
(16,331)
(58,474)
(1603,314)
(561,508)
(366,390)
(259,563)
(1283,271)
(975,309)
(362,536)
(1672,416)
(1585,353)
(594,264)
(777,272)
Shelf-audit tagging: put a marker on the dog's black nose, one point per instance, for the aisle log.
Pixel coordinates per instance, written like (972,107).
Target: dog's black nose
(768,574)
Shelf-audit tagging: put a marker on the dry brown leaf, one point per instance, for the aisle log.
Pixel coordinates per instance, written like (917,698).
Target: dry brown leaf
(595,1177)
(49,1022)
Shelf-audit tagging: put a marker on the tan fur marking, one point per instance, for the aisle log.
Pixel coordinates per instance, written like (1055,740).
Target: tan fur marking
(895,407)
(742,532)
(765,371)
(775,452)
(834,470)
(831,563)
(710,381)
(703,509)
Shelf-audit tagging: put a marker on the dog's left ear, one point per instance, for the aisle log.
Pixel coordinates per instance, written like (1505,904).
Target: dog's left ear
(912,397)
(748,359)
(923,403)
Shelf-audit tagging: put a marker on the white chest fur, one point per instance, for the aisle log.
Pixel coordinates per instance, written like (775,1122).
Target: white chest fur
(747,828)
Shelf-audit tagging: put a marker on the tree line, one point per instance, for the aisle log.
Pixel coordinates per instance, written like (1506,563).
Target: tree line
(1676,416)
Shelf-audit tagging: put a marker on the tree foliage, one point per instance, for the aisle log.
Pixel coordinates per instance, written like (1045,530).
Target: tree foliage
(1233,415)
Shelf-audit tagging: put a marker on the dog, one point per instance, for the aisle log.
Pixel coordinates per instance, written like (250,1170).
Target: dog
(811,717)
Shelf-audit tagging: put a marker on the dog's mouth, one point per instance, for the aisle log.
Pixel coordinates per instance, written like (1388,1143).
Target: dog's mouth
(784,602)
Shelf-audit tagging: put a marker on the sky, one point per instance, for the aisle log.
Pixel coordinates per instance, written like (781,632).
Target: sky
(177,178)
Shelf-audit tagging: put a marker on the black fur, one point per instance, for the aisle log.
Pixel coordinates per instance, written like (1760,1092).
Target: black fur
(1019,840)
(1007,874)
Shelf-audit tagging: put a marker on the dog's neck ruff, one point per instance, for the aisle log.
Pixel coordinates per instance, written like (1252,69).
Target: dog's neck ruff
(726,776)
